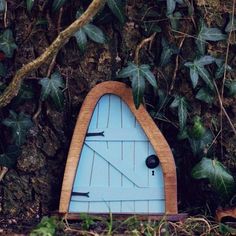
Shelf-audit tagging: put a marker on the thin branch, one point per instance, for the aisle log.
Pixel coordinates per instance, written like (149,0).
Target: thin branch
(141,45)
(5,16)
(227,51)
(13,88)
(176,65)
(223,109)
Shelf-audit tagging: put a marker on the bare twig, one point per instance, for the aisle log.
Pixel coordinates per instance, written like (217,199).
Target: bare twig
(223,109)
(5,16)
(13,88)
(143,42)
(176,65)
(221,96)
(3,172)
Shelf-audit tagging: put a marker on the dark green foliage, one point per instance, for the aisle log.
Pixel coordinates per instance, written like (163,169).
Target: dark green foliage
(221,67)
(137,75)
(231,26)
(94,33)
(167,51)
(52,88)
(19,125)
(207,34)
(230,88)
(29,4)
(182,105)
(46,227)
(171,5)
(198,130)
(117,8)
(7,43)
(200,144)
(87,221)
(220,179)
(197,69)
(88,31)
(227,230)
(174,20)
(206,95)
(9,158)
(57,4)
(2,5)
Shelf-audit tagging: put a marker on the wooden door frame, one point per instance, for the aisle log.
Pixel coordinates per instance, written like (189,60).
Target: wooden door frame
(155,136)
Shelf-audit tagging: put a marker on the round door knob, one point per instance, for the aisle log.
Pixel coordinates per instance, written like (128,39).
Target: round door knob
(152,161)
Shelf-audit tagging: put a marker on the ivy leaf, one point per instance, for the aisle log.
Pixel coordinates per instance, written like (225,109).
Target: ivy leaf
(205,60)
(9,158)
(94,33)
(194,76)
(205,76)
(29,4)
(198,130)
(167,51)
(81,39)
(198,145)
(19,125)
(197,69)
(205,95)
(7,43)
(26,93)
(174,20)
(57,4)
(51,88)
(221,67)
(2,5)
(117,8)
(170,5)
(227,230)
(138,87)
(128,71)
(47,226)
(146,73)
(211,34)
(137,75)
(182,105)
(231,26)
(207,34)
(220,179)
(230,88)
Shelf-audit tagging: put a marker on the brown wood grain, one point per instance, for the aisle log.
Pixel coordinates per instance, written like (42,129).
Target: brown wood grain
(155,136)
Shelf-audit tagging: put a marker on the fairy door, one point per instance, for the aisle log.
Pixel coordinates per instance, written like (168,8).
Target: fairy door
(118,170)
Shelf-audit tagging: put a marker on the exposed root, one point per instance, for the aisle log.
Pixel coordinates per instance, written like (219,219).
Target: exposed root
(141,45)
(13,88)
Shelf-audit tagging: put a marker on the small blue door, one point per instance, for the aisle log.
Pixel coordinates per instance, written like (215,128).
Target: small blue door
(112,174)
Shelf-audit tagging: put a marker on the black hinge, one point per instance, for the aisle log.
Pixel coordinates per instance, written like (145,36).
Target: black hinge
(80,194)
(95,134)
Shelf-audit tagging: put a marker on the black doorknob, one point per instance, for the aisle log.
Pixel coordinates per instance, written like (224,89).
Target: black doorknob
(152,161)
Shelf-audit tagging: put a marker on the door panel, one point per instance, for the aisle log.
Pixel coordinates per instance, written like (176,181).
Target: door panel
(112,174)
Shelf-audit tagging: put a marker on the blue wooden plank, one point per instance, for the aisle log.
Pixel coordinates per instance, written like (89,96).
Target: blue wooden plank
(100,172)
(141,153)
(94,119)
(122,166)
(156,179)
(118,193)
(114,122)
(128,121)
(117,134)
